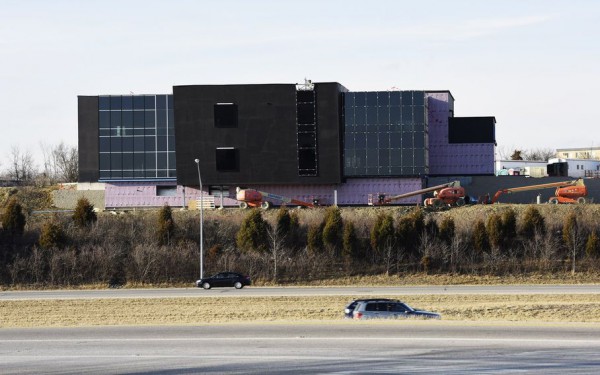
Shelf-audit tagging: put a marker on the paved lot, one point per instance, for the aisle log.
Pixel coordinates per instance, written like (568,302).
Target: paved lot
(300,291)
(344,347)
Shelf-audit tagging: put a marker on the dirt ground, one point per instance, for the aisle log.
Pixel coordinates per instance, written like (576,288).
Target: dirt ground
(202,310)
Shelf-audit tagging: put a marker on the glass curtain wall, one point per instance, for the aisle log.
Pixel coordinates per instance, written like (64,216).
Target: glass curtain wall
(137,137)
(385,133)
(306,122)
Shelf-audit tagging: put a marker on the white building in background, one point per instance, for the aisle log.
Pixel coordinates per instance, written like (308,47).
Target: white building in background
(521,168)
(578,153)
(579,168)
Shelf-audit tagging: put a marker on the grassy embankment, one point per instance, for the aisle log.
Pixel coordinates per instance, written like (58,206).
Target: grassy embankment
(32,198)
(203,310)
(536,309)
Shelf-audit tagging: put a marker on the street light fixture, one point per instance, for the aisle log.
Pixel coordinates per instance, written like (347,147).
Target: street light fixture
(197,161)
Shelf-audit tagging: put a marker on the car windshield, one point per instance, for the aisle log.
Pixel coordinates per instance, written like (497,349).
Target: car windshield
(408,308)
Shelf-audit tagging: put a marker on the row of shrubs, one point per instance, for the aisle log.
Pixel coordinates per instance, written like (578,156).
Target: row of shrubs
(162,247)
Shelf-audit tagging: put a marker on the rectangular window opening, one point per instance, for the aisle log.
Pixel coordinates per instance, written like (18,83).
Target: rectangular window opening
(306,113)
(219,191)
(166,191)
(307,162)
(226,115)
(227,159)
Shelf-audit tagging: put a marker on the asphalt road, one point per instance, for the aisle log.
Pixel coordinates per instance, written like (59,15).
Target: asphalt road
(347,347)
(299,291)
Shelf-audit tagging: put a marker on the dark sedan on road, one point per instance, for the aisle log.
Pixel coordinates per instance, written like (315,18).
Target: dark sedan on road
(224,279)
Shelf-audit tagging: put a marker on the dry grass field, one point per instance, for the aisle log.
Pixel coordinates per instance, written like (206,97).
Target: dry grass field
(328,309)
(204,310)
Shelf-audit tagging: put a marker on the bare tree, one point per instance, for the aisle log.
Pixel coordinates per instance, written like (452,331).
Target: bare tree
(21,163)
(455,252)
(577,243)
(388,253)
(61,162)
(574,237)
(514,153)
(541,154)
(276,247)
(66,159)
(47,167)
(427,248)
(505,151)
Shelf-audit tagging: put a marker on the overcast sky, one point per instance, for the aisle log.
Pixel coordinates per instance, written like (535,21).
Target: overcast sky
(534,65)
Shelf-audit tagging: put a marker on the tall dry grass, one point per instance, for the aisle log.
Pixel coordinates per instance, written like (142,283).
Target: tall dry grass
(325,309)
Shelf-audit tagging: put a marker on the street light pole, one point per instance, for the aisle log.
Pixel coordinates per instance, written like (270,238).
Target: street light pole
(197,161)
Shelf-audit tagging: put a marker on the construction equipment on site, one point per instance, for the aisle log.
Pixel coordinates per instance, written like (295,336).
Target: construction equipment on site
(256,198)
(573,191)
(451,194)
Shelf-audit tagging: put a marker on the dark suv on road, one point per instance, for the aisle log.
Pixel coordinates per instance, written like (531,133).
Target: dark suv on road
(350,307)
(390,310)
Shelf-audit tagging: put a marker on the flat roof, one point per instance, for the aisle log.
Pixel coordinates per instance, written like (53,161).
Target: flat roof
(578,149)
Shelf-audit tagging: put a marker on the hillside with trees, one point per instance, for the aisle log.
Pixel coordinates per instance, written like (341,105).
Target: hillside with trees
(295,246)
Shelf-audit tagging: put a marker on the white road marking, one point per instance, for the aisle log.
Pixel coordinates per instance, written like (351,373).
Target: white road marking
(301,292)
(403,339)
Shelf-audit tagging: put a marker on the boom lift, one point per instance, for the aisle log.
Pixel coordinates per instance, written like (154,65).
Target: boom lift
(450,193)
(573,191)
(256,198)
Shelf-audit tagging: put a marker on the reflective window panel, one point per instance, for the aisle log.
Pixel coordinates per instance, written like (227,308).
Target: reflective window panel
(385,133)
(132,129)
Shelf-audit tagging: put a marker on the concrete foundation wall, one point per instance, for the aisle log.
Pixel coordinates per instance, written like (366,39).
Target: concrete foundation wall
(90,186)
(67,199)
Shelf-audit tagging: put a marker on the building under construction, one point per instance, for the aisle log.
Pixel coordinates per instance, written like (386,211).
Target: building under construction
(314,142)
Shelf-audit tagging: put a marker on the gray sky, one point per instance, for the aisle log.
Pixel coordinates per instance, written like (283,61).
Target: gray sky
(535,65)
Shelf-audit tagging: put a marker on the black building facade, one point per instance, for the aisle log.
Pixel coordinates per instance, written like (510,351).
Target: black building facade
(472,129)
(259,134)
(88,138)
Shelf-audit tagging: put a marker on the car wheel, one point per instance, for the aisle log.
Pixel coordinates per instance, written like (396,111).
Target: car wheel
(206,286)
(238,285)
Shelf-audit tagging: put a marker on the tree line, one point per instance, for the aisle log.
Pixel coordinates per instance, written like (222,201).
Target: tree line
(161,247)
(60,163)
